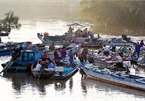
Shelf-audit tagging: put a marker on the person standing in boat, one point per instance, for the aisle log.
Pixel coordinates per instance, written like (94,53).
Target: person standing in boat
(63,54)
(137,49)
(141,43)
(56,57)
(52,46)
(71,57)
(85,53)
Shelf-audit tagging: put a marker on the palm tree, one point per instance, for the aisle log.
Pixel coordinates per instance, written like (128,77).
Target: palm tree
(10,22)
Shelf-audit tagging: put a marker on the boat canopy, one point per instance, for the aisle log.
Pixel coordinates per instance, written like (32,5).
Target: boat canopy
(80,24)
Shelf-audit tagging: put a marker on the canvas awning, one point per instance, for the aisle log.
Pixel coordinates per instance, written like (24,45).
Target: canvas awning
(80,24)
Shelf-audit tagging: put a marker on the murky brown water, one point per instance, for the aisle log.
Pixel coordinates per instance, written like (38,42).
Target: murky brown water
(23,86)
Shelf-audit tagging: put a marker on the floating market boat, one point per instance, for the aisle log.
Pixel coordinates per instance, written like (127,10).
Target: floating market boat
(121,78)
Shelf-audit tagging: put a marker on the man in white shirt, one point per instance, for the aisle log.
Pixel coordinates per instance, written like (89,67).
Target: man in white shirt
(38,66)
(106,50)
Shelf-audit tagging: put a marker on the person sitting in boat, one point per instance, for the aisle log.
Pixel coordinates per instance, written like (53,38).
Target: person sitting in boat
(44,56)
(50,65)
(24,47)
(16,53)
(78,32)
(106,50)
(70,29)
(74,38)
(99,36)
(38,66)
(85,32)
(112,46)
(142,59)
(91,34)
(46,36)
(127,55)
(52,46)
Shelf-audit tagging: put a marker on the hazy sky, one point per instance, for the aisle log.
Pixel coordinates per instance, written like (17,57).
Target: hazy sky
(33,8)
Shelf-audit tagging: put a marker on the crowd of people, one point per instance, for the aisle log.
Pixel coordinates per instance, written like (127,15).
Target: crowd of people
(60,57)
(111,53)
(83,33)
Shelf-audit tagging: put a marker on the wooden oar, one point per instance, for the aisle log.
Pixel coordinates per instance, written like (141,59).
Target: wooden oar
(41,71)
(10,63)
(7,66)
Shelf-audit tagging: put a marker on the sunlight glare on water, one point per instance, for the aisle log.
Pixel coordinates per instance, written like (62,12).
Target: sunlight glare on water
(23,86)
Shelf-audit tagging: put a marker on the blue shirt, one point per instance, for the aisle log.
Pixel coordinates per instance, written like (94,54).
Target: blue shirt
(137,48)
(71,57)
(51,65)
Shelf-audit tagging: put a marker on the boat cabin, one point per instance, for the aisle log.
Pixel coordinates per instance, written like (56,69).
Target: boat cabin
(29,56)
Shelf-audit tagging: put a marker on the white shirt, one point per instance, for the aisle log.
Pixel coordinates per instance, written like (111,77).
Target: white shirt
(106,48)
(119,58)
(38,67)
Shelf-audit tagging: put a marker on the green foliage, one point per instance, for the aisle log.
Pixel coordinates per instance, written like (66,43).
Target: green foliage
(10,22)
(113,12)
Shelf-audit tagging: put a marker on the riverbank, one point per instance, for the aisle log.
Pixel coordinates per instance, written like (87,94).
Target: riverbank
(118,31)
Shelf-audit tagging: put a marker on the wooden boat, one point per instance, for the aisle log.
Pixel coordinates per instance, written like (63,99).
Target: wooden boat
(67,38)
(26,58)
(114,77)
(60,72)
(7,48)
(4,33)
(58,40)
(31,55)
(127,39)
(64,72)
(42,73)
(5,51)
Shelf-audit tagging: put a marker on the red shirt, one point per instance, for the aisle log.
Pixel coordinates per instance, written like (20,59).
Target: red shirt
(44,56)
(56,55)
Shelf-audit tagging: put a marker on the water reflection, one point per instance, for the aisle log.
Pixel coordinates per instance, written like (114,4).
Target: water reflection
(21,81)
(24,86)
(84,88)
(111,91)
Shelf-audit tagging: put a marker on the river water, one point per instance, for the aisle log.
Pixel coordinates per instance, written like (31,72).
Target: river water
(23,86)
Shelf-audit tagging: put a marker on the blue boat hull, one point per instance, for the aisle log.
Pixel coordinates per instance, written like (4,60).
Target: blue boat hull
(4,52)
(131,81)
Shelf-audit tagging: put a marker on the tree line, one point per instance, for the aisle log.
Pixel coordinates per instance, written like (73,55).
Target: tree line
(112,12)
